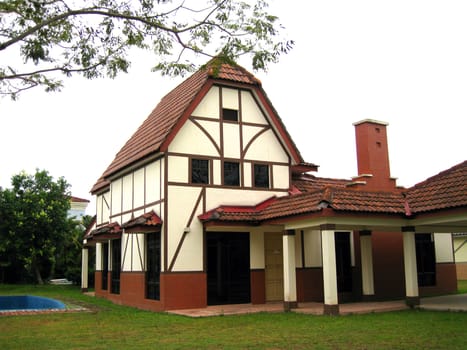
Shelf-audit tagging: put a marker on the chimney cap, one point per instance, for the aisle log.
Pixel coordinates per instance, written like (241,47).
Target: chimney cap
(372,121)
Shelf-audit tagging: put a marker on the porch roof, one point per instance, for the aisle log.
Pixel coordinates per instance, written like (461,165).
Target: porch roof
(441,195)
(104,233)
(146,222)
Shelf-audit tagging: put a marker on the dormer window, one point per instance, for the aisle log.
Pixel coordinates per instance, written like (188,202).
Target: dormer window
(230,114)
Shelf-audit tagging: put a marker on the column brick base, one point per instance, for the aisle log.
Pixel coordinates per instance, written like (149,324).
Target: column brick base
(412,301)
(368,298)
(289,305)
(332,310)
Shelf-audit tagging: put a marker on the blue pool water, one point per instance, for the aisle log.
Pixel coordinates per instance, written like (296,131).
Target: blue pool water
(28,303)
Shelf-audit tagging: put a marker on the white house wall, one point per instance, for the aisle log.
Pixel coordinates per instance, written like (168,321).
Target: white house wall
(257,258)
(204,136)
(280,176)
(99,266)
(230,98)
(209,106)
(192,140)
(443,248)
(102,208)
(251,113)
(130,196)
(460,248)
(232,147)
(133,253)
(273,153)
(181,205)
(312,243)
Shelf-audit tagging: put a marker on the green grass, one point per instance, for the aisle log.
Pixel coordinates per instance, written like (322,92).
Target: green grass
(110,326)
(462,286)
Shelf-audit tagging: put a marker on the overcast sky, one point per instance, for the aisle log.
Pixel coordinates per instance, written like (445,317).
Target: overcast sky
(402,62)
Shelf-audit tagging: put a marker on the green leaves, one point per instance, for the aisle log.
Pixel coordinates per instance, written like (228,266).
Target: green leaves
(94,40)
(34,219)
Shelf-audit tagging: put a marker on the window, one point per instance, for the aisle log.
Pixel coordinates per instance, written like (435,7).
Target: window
(230,114)
(231,174)
(105,266)
(153,271)
(426,259)
(261,175)
(116,261)
(200,171)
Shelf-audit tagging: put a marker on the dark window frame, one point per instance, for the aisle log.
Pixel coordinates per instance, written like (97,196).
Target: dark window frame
(116,268)
(196,178)
(105,266)
(231,115)
(264,183)
(153,265)
(426,259)
(228,176)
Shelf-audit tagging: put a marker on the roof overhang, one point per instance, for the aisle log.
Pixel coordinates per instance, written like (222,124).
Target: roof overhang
(148,222)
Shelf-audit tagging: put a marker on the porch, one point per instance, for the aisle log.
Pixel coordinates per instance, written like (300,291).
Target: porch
(311,308)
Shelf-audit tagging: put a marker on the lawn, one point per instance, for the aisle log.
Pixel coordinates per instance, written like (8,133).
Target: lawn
(109,326)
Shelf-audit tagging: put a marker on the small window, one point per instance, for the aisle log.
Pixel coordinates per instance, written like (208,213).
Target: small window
(200,171)
(231,174)
(261,174)
(230,114)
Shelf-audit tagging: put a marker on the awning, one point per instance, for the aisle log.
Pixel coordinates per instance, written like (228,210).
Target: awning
(148,222)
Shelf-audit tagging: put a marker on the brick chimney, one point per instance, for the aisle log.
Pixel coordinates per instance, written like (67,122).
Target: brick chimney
(372,156)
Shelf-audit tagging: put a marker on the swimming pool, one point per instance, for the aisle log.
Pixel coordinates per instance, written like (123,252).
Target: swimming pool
(12,303)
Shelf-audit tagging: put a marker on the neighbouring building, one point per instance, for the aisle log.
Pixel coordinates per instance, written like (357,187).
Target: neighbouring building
(210,202)
(78,207)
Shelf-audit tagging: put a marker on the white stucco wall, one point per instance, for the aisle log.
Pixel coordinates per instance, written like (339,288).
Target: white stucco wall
(443,248)
(312,242)
(460,248)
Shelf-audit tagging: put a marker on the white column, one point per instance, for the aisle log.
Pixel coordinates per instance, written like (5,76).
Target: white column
(84,269)
(290,280)
(410,266)
(328,246)
(368,284)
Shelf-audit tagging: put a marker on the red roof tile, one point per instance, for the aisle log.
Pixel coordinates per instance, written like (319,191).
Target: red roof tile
(338,199)
(150,219)
(448,189)
(78,200)
(311,183)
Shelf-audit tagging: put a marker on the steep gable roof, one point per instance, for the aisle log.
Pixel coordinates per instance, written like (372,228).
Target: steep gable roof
(448,189)
(156,132)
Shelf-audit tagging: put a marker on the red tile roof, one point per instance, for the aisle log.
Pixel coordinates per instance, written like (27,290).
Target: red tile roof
(311,183)
(103,233)
(448,189)
(336,198)
(445,190)
(78,200)
(163,120)
(150,219)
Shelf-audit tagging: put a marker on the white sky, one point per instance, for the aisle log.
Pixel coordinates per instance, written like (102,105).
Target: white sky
(403,62)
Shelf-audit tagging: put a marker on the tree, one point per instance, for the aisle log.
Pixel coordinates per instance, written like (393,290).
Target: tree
(93,37)
(68,251)
(37,222)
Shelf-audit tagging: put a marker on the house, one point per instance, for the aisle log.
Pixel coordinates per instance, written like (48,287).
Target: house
(210,202)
